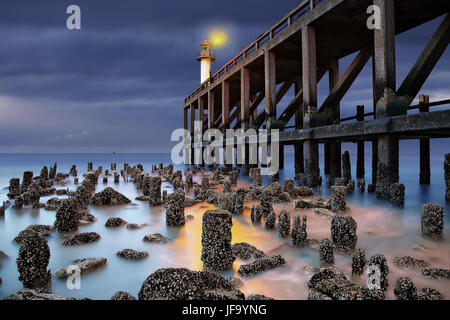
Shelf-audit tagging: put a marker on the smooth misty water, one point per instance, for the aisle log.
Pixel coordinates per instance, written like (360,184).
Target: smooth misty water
(381,229)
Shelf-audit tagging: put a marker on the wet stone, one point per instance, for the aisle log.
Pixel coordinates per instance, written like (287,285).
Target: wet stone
(258,297)
(81,238)
(378,263)
(261,265)
(372,294)
(18,203)
(358,261)
(432,220)
(131,254)
(256,214)
(436,273)
(405,289)
(115,222)
(284,223)
(122,295)
(398,195)
(217,254)
(184,284)
(155,191)
(447,176)
(42,230)
(155,238)
(32,262)
(298,234)
(407,262)
(27,179)
(338,199)
(14,188)
(326,253)
(270,220)
(343,232)
(175,209)
(85,266)
(109,197)
(67,216)
(429,294)
(361,185)
(245,251)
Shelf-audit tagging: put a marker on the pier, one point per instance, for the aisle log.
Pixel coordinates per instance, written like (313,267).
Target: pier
(297,52)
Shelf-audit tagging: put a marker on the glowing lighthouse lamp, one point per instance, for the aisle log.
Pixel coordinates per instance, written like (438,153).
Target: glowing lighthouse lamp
(205,58)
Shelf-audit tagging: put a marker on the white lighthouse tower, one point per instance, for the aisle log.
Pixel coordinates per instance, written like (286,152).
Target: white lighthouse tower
(205,58)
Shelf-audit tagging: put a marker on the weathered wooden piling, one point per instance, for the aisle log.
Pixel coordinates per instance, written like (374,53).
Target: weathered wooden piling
(424,175)
(432,220)
(360,171)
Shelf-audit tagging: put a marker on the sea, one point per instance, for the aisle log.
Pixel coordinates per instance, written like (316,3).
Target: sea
(382,228)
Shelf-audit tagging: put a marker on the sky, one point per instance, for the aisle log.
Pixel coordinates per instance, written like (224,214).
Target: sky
(118,84)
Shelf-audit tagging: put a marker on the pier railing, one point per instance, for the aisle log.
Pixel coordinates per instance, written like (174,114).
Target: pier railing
(301,10)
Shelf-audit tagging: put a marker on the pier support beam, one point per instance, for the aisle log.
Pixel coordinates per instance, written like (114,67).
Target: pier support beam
(245,114)
(201,117)
(334,148)
(228,151)
(309,67)
(387,102)
(192,129)
(360,170)
(424,176)
(270,86)
(186,135)
(298,146)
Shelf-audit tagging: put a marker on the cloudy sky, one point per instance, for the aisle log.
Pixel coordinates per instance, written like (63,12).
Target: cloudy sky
(119,83)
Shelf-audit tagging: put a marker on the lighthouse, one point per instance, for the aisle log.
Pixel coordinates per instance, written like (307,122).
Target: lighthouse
(205,58)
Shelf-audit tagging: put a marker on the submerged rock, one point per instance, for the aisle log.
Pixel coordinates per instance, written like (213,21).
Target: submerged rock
(85,266)
(405,289)
(67,216)
(329,285)
(31,294)
(32,262)
(261,265)
(81,238)
(131,254)
(407,262)
(358,261)
(432,220)
(436,273)
(343,232)
(109,197)
(258,297)
(378,265)
(115,222)
(429,294)
(184,284)
(155,238)
(122,295)
(216,240)
(43,230)
(245,251)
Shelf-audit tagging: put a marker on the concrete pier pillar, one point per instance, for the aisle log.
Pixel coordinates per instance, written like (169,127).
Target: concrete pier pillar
(360,171)
(201,117)
(424,175)
(245,115)
(298,146)
(333,149)
(192,129)
(270,85)
(228,151)
(387,102)
(309,73)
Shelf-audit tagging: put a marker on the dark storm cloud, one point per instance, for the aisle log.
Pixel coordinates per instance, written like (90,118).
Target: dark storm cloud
(119,83)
